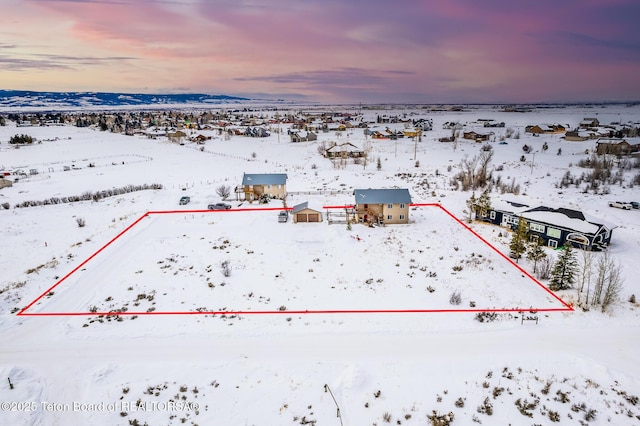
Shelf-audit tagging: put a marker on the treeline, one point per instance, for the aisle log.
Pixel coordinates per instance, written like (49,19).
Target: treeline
(90,196)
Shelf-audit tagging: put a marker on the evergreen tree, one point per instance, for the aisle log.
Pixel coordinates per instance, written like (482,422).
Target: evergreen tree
(484,203)
(519,239)
(472,205)
(379,164)
(564,270)
(536,253)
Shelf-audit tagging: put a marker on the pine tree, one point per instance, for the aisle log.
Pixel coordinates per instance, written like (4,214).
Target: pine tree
(519,239)
(471,205)
(536,253)
(564,270)
(379,164)
(484,203)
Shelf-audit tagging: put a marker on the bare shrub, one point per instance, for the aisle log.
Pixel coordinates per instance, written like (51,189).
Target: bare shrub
(455,298)
(486,316)
(437,419)
(81,222)
(225,268)
(223,191)
(544,268)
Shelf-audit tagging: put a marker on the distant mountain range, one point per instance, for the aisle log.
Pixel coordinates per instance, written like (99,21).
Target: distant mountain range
(57,100)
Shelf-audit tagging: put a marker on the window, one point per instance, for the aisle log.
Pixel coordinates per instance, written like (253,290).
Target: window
(402,205)
(553,243)
(389,217)
(533,238)
(389,206)
(554,233)
(492,215)
(536,227)
(512,220)
(402,217)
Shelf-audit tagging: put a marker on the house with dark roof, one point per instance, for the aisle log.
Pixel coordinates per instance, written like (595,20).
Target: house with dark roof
(475,136)
(255,186)
(555,226)
(382,206)
(615,147)
(344,150)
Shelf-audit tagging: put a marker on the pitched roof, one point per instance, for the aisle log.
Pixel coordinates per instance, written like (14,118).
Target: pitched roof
(300,207)
(382,196)
(264,179)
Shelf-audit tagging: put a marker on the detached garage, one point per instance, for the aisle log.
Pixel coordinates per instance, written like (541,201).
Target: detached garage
(302,213)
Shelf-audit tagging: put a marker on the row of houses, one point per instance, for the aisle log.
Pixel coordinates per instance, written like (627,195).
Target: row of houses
(371,206)
(555,227)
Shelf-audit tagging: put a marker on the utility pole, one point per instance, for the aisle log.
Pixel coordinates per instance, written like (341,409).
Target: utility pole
(533,162)
(278,122)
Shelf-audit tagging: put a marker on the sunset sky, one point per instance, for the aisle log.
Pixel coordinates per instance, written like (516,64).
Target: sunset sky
(418,51)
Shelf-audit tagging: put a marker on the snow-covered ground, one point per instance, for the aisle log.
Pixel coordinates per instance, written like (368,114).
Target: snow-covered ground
(395,368)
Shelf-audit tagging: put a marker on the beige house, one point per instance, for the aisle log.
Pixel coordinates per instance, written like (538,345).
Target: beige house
(382,206)
(302,213)
(255,185)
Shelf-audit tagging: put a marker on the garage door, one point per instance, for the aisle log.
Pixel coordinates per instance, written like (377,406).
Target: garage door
(314,217)
(301,217)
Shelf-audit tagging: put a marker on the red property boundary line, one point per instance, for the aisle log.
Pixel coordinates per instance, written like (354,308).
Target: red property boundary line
(566,307)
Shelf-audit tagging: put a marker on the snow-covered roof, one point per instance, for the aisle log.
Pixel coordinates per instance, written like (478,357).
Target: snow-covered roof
(303,206)
(382,196)
(347,146)
(561,220)
(264,179)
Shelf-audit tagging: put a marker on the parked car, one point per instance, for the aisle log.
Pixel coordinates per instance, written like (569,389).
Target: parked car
(635,204)
(184,200)
(620,205)
(283,216)
(219,206)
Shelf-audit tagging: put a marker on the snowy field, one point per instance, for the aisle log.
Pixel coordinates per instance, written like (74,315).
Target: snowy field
(85,367)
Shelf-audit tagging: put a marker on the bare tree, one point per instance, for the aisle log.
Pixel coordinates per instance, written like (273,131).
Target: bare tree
(223,191)
(544,268)
(225,268)
(483,171)
(613,287)
(586,261)
(608,283)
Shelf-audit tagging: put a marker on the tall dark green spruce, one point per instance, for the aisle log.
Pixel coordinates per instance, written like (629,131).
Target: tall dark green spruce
(564,270)
(519,239)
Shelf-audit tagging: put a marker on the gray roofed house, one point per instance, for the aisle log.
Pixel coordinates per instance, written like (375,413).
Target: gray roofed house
(264,179)
(254,185)
(382,206)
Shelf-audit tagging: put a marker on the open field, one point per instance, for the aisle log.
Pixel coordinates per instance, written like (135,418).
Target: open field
(575,366)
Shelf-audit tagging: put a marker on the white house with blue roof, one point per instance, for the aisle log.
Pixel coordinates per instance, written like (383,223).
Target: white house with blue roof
(382,206)
(254,185)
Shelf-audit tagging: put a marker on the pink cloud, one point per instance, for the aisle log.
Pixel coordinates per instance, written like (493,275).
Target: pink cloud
(495,49)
